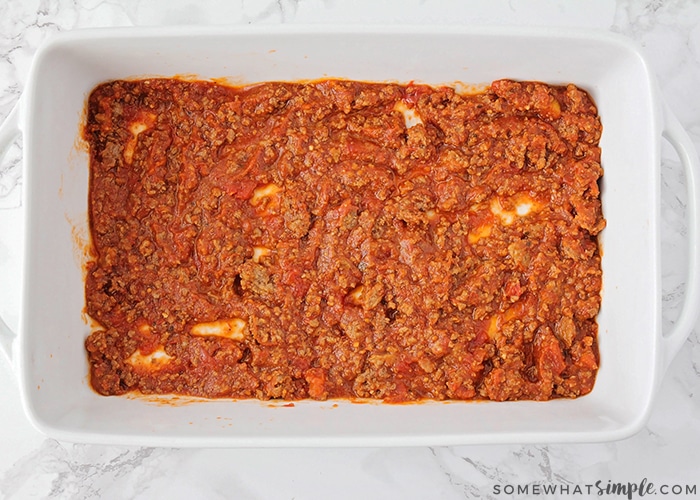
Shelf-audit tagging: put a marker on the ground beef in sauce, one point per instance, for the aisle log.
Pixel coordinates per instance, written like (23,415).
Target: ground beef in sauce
(341,239)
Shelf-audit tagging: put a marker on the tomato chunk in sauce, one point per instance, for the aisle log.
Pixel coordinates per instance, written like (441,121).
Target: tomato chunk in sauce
(343,239)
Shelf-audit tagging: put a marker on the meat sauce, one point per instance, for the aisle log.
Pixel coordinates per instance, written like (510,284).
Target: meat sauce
(343,239)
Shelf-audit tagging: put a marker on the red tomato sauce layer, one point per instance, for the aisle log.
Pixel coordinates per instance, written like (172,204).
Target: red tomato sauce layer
(343,239)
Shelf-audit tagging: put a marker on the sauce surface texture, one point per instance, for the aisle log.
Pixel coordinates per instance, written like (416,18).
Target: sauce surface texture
(341,239)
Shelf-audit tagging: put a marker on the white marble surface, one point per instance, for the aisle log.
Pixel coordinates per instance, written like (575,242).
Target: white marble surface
(665,452)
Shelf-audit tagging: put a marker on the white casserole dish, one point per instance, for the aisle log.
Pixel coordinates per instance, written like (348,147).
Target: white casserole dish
(47,351)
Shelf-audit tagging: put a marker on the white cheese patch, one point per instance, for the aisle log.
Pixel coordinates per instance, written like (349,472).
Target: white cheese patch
(497,210)
(137,127)
(524,205)
(259,253)
(410,116)
(152,361)
(233,329)
(465,89)
(263,192)
(523,208)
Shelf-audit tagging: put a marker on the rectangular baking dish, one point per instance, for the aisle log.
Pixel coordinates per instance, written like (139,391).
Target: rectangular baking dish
(48,354)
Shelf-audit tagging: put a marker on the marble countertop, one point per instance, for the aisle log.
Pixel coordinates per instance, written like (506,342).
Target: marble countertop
(666,452)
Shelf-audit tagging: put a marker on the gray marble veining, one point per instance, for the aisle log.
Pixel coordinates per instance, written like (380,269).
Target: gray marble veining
(666,451)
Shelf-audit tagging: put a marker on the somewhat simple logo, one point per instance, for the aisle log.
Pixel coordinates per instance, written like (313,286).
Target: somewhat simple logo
(627,490)
(642,488)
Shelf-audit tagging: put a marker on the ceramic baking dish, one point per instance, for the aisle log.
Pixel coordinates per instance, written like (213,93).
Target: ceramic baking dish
(47,352)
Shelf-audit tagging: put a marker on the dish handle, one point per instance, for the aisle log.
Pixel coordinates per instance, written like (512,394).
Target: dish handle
(9,130)
(675,134)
